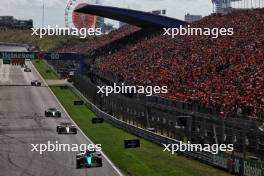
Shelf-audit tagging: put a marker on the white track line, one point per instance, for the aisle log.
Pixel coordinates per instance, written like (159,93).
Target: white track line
(108,160)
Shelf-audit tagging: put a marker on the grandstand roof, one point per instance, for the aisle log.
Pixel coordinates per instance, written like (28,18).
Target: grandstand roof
(133,17)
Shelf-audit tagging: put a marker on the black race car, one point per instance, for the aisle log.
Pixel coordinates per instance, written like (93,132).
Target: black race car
(66,128)
(89,159)
(35,83)
(52,112)
(27,69)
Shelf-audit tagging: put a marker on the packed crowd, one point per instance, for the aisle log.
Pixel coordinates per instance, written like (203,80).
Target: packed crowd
(96,43)
(226,73)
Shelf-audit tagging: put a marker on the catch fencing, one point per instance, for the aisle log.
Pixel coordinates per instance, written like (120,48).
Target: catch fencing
(173,124)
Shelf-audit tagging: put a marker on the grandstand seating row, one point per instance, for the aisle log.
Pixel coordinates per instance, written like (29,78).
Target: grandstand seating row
(226,73)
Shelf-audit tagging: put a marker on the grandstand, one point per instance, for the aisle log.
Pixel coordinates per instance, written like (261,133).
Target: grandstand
(216,86)
(227,6)
(193,85)
(9,22)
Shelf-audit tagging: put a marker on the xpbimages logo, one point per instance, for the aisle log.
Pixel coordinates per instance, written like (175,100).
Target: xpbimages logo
(190,31)
(123,89)
(50,31)
(58,147)
(189,147)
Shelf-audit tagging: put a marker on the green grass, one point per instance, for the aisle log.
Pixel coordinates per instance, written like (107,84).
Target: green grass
(148,160)
(45,70)
(47,43)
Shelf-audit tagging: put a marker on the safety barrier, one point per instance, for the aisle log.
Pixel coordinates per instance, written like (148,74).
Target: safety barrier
(228,162)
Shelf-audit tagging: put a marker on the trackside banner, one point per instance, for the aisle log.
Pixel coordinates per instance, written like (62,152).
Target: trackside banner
(238,166)
(40,55)
(18,55)
(62,56)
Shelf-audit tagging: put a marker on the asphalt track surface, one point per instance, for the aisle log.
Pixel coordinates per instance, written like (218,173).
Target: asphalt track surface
(12,48)
(22,123)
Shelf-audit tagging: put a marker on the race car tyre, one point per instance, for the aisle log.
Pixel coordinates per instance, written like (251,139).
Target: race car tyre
(78,164)
(100,162)
(100,165)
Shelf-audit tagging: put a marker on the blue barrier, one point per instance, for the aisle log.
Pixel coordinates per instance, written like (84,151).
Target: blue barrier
(45,56)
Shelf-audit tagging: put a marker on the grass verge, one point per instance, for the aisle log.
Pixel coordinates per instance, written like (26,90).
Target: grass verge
(148,160)
(47,43)
(45,70)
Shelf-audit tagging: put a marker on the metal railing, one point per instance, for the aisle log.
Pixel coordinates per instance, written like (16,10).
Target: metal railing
(106,108)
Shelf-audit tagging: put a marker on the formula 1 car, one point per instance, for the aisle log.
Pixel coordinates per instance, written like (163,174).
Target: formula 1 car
(89,159)
(52,112)
(66,128)
(35,83)
(27,69)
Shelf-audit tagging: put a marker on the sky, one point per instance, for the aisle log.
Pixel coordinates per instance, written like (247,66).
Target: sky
(55,9)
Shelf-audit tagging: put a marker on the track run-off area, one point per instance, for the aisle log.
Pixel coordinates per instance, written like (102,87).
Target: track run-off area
(22,123)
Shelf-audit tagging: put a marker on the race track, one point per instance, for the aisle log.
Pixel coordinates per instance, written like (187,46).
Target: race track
(22,123)
(11,48)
